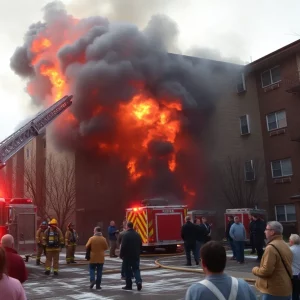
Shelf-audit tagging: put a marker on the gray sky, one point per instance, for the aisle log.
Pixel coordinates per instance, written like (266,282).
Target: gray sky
(231,29)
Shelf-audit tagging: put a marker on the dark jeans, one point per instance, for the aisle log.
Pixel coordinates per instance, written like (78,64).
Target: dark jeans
(296,288)
(252,242)
(123,271)
(239,249)
(96,268)
(198,248)
(188,248)
(132,266)
(260,252)
(231,243)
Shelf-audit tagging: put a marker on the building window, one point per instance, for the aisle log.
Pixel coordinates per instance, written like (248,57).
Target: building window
(270,76)
(281,168)
(285,213)
(276,120)
(244,125)
(249,171)
(240,83)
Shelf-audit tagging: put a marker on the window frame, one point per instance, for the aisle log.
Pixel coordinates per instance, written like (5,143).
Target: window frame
(280,160)
(285,214)
(276,112)
(241,81)
(248,124)
(270,73)
(253,168)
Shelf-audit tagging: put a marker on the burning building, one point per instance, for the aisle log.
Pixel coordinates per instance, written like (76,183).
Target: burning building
(144,123)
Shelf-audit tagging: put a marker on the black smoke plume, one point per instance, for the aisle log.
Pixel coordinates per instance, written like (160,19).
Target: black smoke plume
(105,65)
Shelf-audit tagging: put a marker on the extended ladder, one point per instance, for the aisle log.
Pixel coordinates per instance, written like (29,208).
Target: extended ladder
(25,134)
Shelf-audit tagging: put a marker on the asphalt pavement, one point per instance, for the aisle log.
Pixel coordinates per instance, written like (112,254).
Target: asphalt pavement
(73,280)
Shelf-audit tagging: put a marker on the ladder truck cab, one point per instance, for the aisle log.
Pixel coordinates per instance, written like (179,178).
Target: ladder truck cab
(18,217)
(244,216)
(158,223)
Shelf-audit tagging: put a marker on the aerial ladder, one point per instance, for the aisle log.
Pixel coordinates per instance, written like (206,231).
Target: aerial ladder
(11,145)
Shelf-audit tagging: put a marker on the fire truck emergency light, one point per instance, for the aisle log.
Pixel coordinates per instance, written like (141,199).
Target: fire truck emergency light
(137,208)
(20,201)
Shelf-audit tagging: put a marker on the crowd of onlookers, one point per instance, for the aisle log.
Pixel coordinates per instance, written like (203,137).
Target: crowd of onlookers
(277,274)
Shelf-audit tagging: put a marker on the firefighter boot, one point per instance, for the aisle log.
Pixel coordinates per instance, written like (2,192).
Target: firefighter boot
(38,261)
(47,272)
(55,273)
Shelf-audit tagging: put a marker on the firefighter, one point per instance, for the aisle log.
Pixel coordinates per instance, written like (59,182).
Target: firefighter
(40,242)
(71,239)
(54,241)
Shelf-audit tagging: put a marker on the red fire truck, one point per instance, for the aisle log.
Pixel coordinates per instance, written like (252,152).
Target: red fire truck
(158,223)
(243,214)
(18,217)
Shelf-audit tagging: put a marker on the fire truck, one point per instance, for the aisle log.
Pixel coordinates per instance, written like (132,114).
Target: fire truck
(243,214)
(158,223)
(18,217)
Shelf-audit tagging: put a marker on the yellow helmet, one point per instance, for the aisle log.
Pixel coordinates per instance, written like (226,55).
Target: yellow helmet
(53,222)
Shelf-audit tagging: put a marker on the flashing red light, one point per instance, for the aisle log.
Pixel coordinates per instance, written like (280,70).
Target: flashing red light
(2,200)
(137,208)
(20,201)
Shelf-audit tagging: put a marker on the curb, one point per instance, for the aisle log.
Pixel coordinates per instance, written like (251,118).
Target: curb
(85,262)
(249,280)
(115,271)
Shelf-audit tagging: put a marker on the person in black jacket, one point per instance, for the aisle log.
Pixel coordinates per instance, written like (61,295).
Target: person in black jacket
(251,234)
(229,238)
(201,236)
(189,234)
(131,248)
(259,235)
(207,228)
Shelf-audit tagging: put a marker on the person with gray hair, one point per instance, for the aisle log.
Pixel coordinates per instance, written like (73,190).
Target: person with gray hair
(295,248)
(275,270)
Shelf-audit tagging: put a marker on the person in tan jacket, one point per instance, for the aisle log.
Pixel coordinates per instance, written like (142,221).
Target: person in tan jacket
(97,245)
(275,270)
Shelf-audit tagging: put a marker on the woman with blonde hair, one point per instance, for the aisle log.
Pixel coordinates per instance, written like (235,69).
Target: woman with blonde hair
(10,288)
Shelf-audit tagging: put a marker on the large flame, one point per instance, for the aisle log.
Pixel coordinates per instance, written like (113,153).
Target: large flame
(140,121)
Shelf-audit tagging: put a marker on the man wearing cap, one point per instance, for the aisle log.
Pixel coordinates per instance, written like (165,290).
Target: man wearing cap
(54,241)
(71,239)
(39,240)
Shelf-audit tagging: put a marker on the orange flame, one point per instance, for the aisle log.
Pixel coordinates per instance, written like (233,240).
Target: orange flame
(157,123)
(40,45)
(56,79)
(131,166)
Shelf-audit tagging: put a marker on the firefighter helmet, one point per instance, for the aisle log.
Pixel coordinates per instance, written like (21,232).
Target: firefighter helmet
(53,222)
(44,223)
(70,224)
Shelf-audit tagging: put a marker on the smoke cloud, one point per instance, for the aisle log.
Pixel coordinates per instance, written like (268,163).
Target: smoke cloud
(132,99)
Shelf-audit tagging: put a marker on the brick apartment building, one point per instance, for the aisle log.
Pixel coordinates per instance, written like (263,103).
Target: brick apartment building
(278,94)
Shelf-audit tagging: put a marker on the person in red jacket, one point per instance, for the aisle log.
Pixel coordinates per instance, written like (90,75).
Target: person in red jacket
(15,264)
